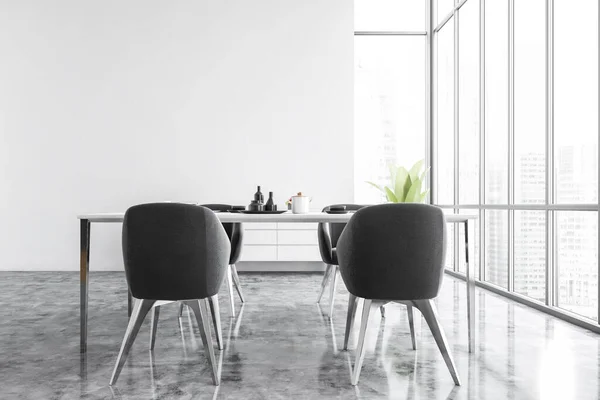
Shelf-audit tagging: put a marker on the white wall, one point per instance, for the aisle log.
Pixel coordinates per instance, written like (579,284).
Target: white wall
(104,104)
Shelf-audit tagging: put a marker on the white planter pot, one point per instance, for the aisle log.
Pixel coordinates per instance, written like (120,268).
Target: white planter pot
(300,204)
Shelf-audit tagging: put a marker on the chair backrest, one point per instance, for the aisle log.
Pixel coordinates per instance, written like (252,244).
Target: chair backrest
(394,252)
(235,232)
(328,238)
(174,251)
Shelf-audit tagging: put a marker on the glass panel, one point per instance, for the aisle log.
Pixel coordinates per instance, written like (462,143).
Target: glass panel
(530,102)
(576,100)
(496,247)
(577,262)
(530,254)
(445,114)
(496,102)
(468,91)
(444,7)
(389,104)
(389,15)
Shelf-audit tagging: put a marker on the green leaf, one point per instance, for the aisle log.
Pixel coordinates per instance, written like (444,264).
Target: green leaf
(376,186)
(414,192)
(424,195)
(414,171)
(424,174)
(390,195)
(407,185)
(401,176)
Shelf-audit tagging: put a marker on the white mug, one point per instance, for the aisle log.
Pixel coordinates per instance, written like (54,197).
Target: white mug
(300,204)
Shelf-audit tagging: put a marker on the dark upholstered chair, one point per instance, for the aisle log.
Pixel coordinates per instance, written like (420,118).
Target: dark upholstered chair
(173,252)
(235,232)
(328,237)
(394,253)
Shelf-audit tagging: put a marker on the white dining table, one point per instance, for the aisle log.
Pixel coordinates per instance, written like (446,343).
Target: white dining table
(86,221)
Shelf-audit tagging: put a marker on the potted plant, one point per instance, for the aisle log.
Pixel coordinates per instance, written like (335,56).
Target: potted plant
(405,185)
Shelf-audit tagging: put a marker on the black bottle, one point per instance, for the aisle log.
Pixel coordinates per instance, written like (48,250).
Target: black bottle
(258,196)
(270,206)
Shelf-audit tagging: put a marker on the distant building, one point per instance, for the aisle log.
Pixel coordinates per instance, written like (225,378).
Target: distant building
(530,226)
(577,231)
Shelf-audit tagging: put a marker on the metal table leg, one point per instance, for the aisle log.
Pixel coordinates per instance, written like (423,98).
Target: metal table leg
(470,293)
(84,271)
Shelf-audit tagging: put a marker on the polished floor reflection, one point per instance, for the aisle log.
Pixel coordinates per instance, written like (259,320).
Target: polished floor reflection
(282,345)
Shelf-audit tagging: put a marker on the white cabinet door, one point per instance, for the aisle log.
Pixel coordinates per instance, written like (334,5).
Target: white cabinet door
(260,237)
(298,253)
(297,237)
(259,253)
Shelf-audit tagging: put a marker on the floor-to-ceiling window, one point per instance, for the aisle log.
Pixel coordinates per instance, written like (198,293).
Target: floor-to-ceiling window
(516,140)
(514,133)
(390,66)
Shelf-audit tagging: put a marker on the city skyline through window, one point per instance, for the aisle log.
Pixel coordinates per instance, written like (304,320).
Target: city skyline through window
(534,99)
(514,131)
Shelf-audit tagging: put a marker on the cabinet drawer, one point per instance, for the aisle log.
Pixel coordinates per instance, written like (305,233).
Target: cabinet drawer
(297,237)
(296,226)
(260,237)
(252,226)
(259,253)
(299,253)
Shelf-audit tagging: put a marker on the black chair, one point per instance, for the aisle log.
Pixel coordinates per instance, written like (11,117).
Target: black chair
(173,252)
(394,253)
(235,232)
(329,234)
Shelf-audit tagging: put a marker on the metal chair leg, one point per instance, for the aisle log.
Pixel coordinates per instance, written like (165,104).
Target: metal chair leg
(154,326)
(180,309)
(334,274)
(201,312)
(129,303)
(324,281)
(352,305)
(360,350)
(216,318)
(140,309)
(230,288)
(411,324)
(429,311)
(382,310)
(236,282)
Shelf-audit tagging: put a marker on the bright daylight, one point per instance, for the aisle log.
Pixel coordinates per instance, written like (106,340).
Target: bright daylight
(276,199)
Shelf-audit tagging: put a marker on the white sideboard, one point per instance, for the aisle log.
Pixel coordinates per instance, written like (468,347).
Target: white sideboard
(280,242)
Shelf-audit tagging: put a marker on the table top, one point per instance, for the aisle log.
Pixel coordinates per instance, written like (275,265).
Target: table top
(285,217)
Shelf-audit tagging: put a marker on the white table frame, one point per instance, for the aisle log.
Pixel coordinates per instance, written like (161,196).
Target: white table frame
(86,221)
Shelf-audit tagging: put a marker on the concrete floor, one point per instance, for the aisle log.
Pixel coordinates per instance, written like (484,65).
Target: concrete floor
(282,345)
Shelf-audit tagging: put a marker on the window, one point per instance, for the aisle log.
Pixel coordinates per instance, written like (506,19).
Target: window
(533,178)
(468,111)
(577,262)
(445,114)
(576,101)
(530,102)
(389,91)
(539,102)
(530,254)
(496,102)
(496,247)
